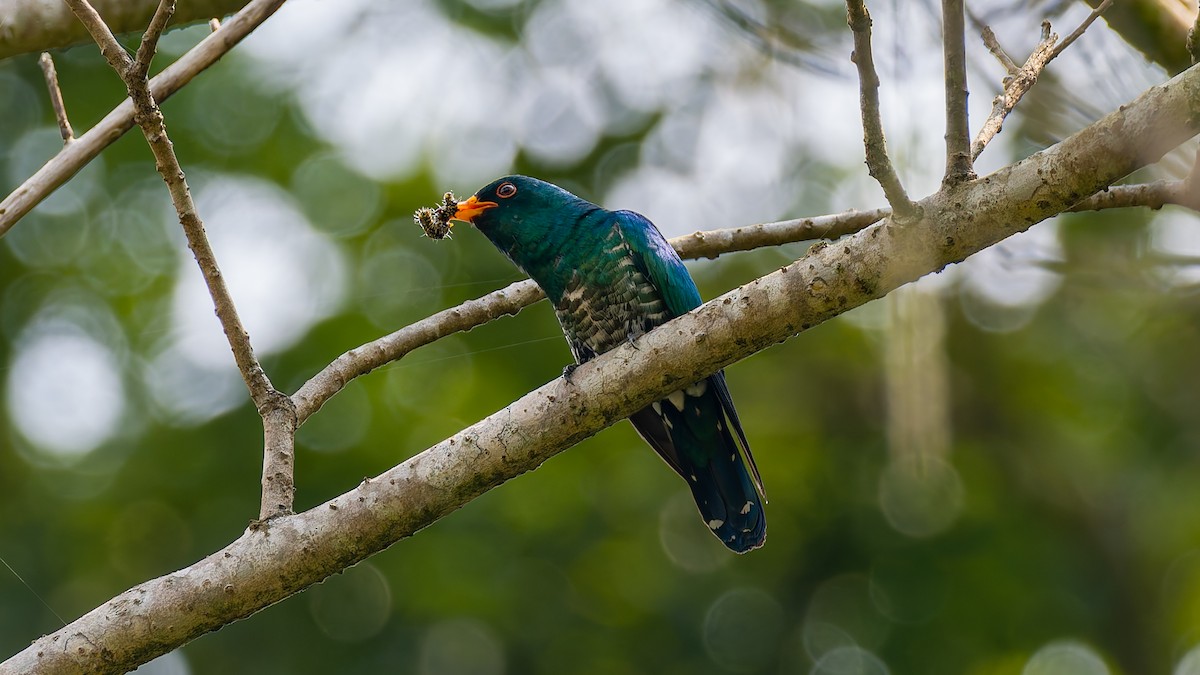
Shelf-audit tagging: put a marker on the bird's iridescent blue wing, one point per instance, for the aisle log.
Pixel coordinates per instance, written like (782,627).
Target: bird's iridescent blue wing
(689,428)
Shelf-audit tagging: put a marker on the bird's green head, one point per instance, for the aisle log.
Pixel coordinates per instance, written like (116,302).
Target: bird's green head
(516,206)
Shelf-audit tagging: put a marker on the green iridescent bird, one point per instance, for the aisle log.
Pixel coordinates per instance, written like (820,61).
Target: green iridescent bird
(613,277)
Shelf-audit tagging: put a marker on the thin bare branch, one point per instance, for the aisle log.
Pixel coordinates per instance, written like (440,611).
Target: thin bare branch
(112,50)
(56,97)
(277,559)
(1023,79)
(150,119)
(1147,195)
(1015,87)
(993,46)
(878,164)
(149,44)
(958,130)
(85,148)
(1091,18)
(276,409)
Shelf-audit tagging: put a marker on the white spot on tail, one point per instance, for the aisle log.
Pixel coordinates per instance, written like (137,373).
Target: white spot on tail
(746,508)
(657,407)
(697,389)
(714,524)
(676,399)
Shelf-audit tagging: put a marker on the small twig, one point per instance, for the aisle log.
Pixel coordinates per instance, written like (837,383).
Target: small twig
(56,98)
(1091,18)
(1148,195)
(214,24)
(993,46)
(112,50)
(145,52)
(1015,87)
(1020,82)
(878,164)
(958,130)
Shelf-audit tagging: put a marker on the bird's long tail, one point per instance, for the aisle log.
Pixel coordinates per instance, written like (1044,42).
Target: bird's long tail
(691,431)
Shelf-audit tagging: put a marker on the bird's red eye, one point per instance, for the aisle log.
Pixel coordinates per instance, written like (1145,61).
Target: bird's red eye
(506,190)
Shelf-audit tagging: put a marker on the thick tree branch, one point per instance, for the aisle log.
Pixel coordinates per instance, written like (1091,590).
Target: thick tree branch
(85,148)
(285,555)
(56,98)
(40,25)
(878,164)
(958,130)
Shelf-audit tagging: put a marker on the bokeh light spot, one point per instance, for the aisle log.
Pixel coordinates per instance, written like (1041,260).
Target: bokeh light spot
(284,275)
(1067,657)
(1174,235)
(186,393)
(64,391)
(849,661)
(904,591)
(920,496)
(342,424)
(28,155)
(742,630)
(685,539)
(1189,664)
(461,647)
(338,200)
(1003,284)
(352,606)
(843,603)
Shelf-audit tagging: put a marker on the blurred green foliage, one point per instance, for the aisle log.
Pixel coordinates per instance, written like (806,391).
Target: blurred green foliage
(1072,546)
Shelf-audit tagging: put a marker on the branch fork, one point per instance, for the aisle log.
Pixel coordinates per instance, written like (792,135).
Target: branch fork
(277,410)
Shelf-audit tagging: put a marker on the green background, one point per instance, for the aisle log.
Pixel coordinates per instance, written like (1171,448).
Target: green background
(1056,529)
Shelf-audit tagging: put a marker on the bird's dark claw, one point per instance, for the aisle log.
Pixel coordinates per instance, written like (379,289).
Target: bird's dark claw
(568,370)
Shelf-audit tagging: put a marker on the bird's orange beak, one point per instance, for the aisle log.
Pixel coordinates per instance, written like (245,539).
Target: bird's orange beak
(473,206)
